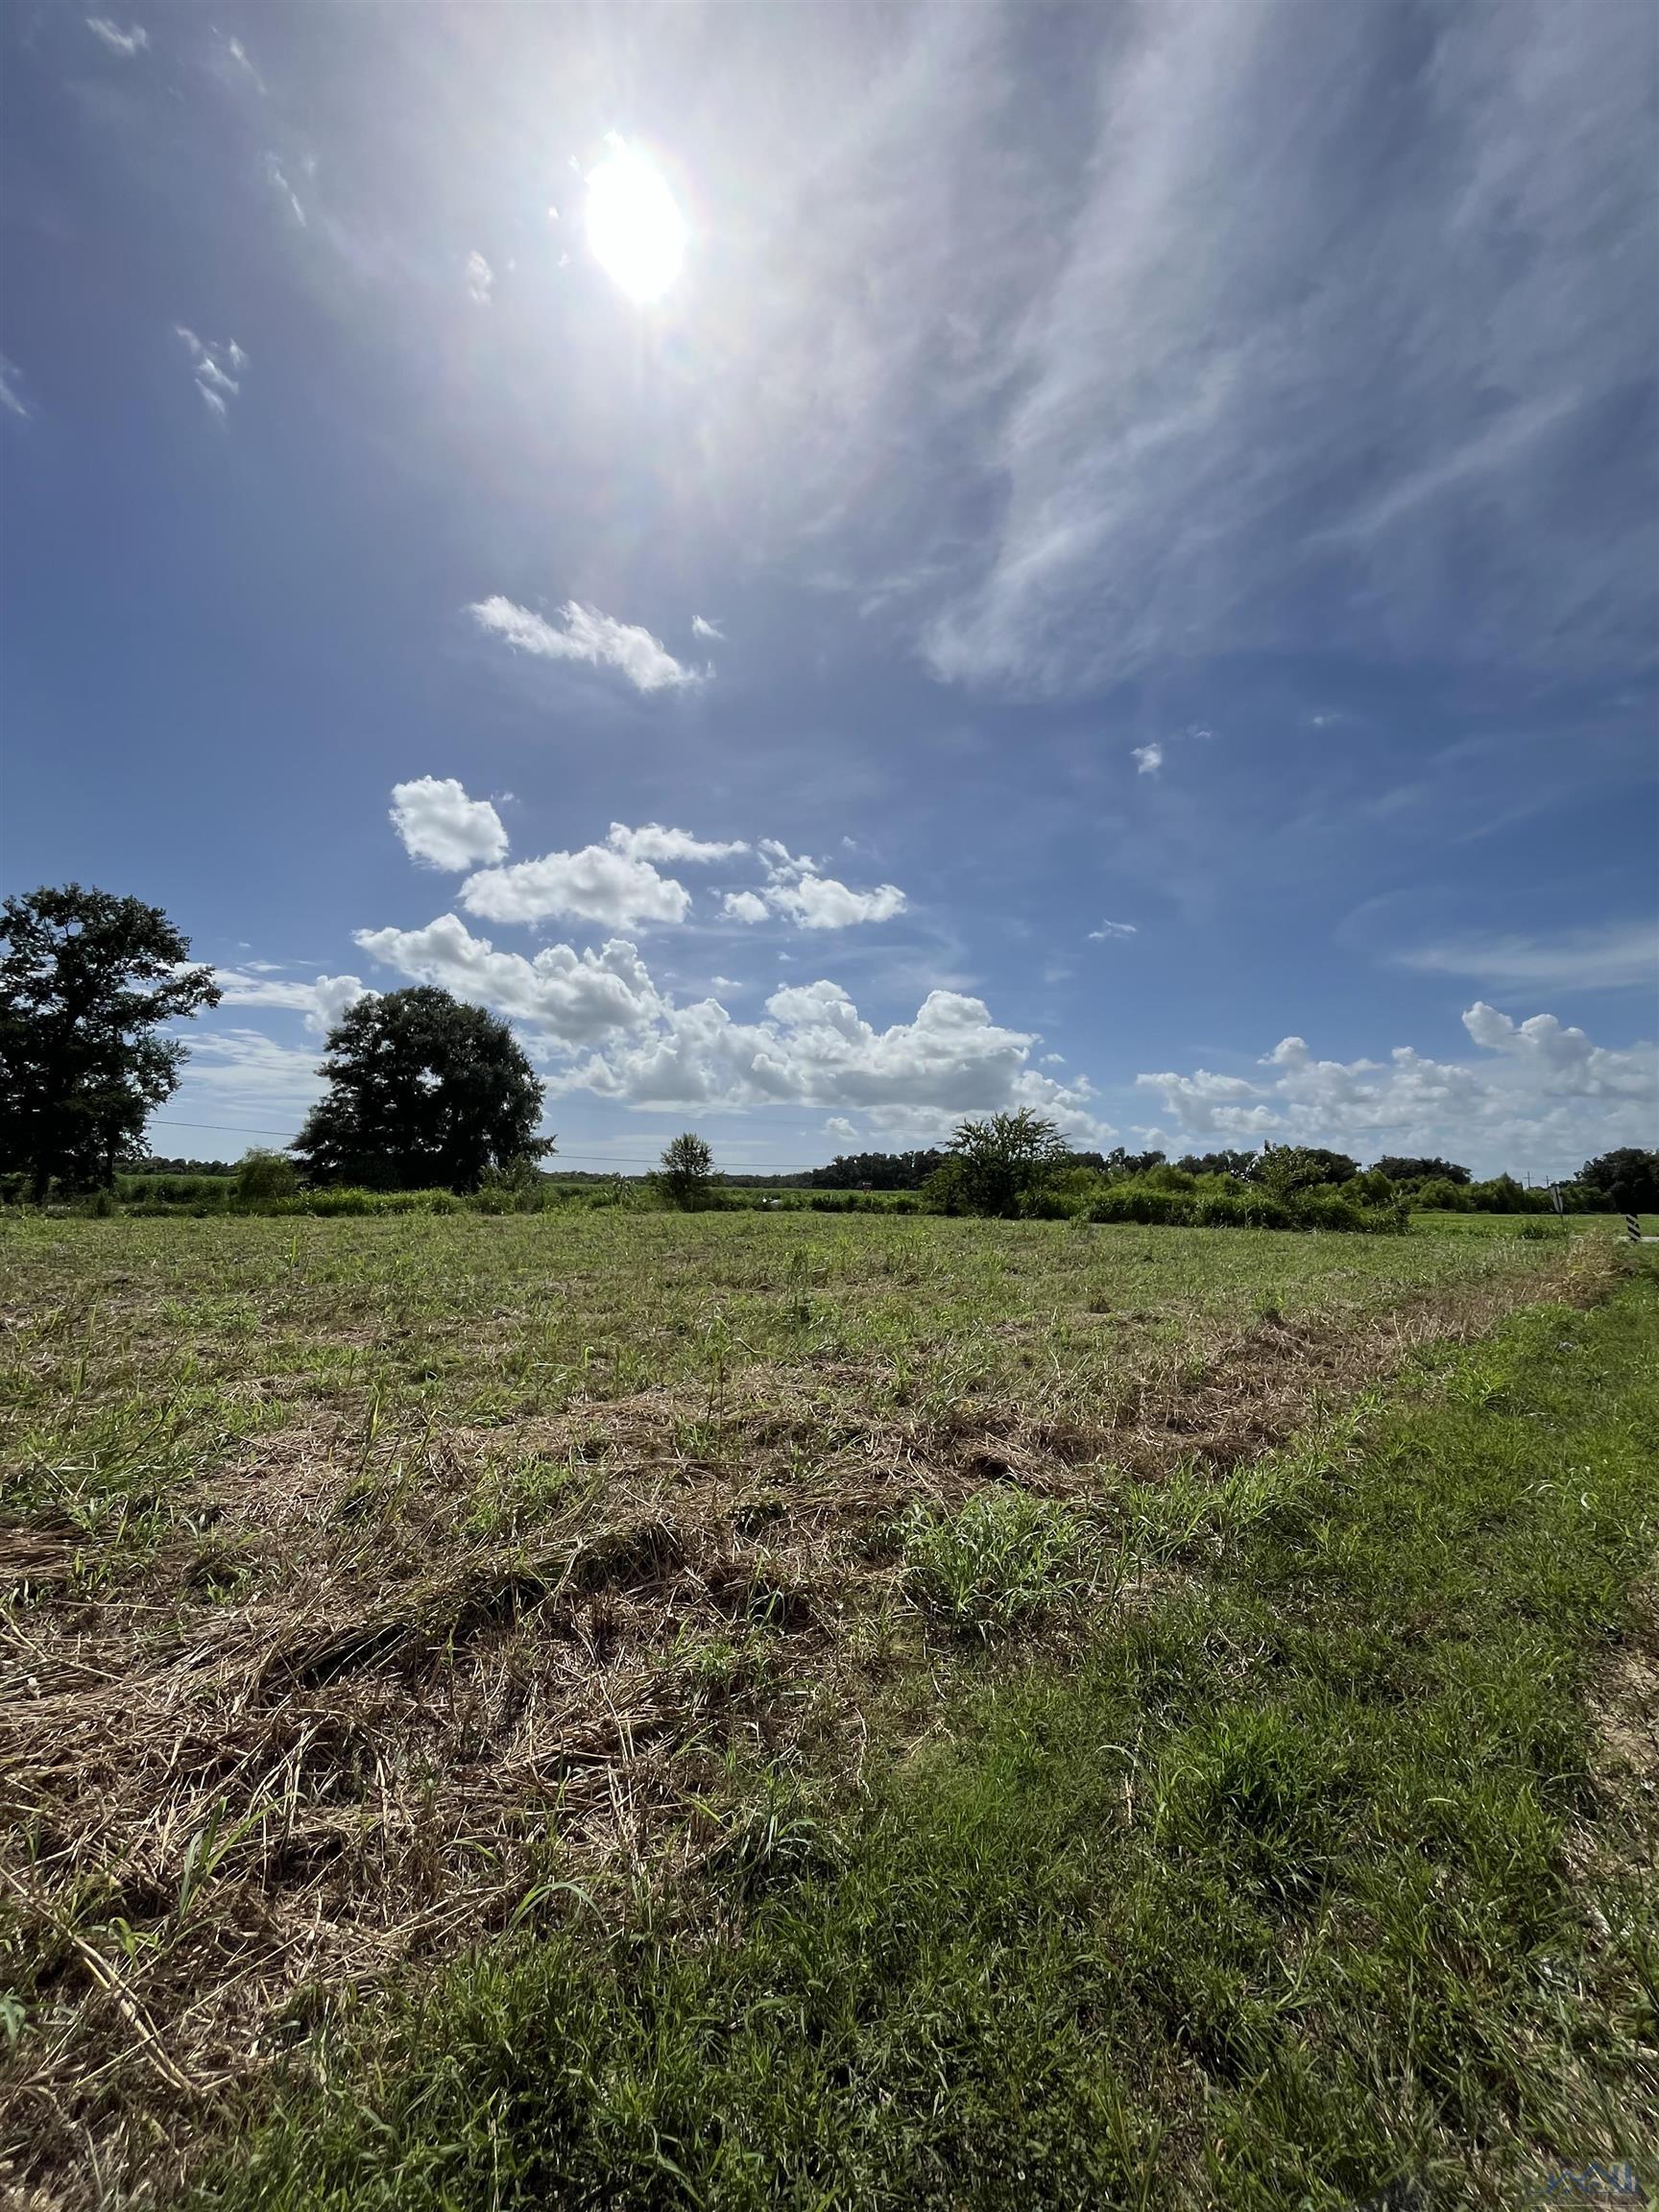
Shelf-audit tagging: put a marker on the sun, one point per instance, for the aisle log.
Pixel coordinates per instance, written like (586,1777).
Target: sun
(634,225)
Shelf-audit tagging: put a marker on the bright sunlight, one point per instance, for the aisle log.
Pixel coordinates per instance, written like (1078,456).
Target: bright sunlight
(634,225)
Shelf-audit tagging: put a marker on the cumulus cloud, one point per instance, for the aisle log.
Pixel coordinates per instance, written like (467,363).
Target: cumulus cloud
(568,999)
(813,1049)
(651,841)
(1148,760)
(1545,1099)
(132,40)
(480,278)
(599,640)
(442,826)
(600,884)
(701,628)
(216,369)
(1110,930)
(796,891)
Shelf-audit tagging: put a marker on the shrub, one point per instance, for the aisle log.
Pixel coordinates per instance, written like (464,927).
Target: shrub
(262,1175)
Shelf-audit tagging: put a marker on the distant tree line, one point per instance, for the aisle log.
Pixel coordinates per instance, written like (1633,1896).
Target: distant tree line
(427,1093)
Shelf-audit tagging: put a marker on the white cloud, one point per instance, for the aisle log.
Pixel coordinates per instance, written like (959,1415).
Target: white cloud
(568,999)
(724,983)
(211,366)
(841,1129)
(587,635)
(596,884)
(480,278)
(651,841)
(240,60)
(284,190)
(1148,760)
(813,1049)
(700,628)
(745,905)
(1605,959)
(795,890)
(440,825)
(1288,381)
(132,40)
(322,1001)
(10,397)
(1109,930)
(1546,1099)
(242,1066)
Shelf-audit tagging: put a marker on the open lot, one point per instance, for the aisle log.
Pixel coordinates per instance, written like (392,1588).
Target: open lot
(382,1587)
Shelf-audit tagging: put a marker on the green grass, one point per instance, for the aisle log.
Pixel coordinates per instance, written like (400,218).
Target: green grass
(1308,1878)
(370,1583)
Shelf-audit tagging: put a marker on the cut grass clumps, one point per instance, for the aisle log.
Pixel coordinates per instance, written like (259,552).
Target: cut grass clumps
(1003,1559)
(1312,1885)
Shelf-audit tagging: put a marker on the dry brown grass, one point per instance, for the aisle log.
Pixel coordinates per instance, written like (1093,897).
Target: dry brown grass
(348,1693)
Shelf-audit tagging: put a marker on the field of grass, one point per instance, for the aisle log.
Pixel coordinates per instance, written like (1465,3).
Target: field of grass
(384,1590)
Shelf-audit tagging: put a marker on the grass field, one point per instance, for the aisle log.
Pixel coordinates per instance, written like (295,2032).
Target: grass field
(383,1590)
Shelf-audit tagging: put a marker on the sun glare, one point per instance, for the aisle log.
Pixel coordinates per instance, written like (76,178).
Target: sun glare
(634,225)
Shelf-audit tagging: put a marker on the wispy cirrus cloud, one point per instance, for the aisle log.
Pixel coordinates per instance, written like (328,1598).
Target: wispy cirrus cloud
(211,366)
(1611,959)
(11,397)
(1110,930)
(583,634)
(128,42)
(1326,341)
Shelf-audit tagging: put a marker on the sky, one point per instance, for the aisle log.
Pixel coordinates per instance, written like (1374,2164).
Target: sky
(846,567)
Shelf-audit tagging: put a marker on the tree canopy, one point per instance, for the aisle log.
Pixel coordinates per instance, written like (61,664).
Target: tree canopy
(992,1165)
(1626,1181)
(1401,1169)
(87,979)
(424,1092)
(686,1171)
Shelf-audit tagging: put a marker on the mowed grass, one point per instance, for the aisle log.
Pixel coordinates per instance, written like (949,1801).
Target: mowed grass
(379,1587)
(1332,1874)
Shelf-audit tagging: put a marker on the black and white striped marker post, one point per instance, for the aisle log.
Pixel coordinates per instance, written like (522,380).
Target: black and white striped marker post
(1632,1229)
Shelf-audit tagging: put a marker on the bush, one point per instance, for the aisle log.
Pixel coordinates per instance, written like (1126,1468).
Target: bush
(1213,1203)
(263,1175)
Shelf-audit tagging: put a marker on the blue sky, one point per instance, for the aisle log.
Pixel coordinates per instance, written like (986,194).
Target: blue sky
(1117,574)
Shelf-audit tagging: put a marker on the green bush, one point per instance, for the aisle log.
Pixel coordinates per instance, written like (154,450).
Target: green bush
(262,1175)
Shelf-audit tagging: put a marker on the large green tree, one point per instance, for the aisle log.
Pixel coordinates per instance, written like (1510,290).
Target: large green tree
(424,1092)
(86,980)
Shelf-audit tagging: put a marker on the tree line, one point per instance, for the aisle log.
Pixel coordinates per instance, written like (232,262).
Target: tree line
(425,1091)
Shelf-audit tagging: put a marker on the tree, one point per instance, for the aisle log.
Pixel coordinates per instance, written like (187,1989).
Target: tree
(687,1172)
(993,1165)
(87,979)
(1401,1170)
(1286,1168)
(424,1092)
(1626,1181)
